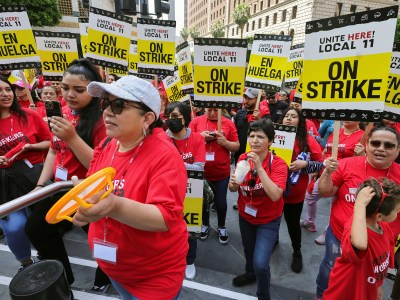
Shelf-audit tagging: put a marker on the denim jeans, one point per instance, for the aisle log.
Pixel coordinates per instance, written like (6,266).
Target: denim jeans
(258,243)
(14,230)
(128,296)
(220,188)
(332,251)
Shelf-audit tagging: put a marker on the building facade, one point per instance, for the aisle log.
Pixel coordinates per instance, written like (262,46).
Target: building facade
(273,16)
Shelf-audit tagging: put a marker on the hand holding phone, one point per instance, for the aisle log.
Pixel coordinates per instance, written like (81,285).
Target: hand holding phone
(53,109)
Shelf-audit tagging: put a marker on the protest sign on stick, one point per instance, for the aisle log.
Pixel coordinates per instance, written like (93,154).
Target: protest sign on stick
(173,88)
(392,98)
(185,68)
(193,205)
(17,44)
(294,66)
(83,31)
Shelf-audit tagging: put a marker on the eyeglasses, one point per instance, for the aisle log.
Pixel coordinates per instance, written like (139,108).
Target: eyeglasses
(116,105)
(386,145)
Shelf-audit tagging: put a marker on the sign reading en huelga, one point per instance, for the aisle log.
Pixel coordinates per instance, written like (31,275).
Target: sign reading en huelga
(109,38)
(346,61)
(284,142)
(295,66)
(268,61)
(193,205)
(83,31)
(56,50)
(219,68)
(17,44)
(173,88)
(185,67)
(392,99)
(156,46)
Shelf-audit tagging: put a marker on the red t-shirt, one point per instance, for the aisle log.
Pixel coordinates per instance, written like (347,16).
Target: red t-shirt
(346,145)
(64,156)
(150,265)
(14,130)
(358,274)
(351,173)
(298,191)
(395,226)
(219,168)
(26,103)
(267,210)
(311,128)
(191,149)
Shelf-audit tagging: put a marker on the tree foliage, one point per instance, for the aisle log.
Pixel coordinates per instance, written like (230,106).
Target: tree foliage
(194,32)
(185,33)
(217,30)
(40,12)
(241,16)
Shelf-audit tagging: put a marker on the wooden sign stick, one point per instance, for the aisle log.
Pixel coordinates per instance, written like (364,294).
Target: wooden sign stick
(27,90)
(335,142)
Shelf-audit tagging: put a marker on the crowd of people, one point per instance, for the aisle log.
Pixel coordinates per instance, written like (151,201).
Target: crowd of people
(127,123)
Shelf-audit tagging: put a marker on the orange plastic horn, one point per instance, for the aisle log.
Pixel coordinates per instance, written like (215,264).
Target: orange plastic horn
(70,202)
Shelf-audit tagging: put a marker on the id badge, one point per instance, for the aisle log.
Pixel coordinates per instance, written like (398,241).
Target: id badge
(105,251)
(210,156)
(250,210)
(61,173)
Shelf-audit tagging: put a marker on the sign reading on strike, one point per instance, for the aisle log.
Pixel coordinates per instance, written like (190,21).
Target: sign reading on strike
(156,46)
(57,50)
(219,68)
(193,205)
(268,61)
(185,67)
(173,88)
(284,142)
(346,65)
(17,43)
(295,66)
(109,38)
(83,31)
(392,99)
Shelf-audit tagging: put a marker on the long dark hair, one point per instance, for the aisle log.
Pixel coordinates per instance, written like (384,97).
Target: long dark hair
(89,115)
(183,108)
(301,134)
(15,107)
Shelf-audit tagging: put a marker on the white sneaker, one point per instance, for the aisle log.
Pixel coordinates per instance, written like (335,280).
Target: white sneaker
(190,271)
(321,239)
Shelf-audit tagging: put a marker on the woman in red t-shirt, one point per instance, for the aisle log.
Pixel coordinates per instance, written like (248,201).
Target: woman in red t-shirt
(23,139)
(71,149)
(193,152)
(306,148)
(367,244)
(260,205)
(343,179)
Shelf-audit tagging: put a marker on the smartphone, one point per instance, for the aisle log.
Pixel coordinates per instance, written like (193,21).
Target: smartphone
(53,109)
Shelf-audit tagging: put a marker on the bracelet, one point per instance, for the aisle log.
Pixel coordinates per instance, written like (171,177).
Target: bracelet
(40,185)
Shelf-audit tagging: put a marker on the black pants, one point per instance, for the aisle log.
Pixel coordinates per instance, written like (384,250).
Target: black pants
(292,213)
(47,238)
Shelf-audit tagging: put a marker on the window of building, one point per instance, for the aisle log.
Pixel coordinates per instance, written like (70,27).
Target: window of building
(291,33)
(65,7)
(275,18)
(283,15)
(259,23)
(294,12)
(83,11)
(266,20)
(261,5)
(237,30)
(339,7)
(281,33)
(254,8)
(253,24)
(368,8)
(277,1)
(269,3)
(247,27)
(353,8)
(233,31)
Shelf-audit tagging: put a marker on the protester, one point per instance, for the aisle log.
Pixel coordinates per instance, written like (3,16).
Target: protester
(382,148)
(143,215)
(306,148)
(217,167)
(71,150)
(112,78)
(22,95)
(283,96)
(276,107)
(19,172)
(260,206)
(325,131)
(192,150)
(367,244)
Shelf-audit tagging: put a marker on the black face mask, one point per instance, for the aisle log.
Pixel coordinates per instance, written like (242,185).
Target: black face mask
(174,125)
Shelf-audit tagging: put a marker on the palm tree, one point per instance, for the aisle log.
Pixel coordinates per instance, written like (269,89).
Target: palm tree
(217,30)
(241,16)
(194,32)
(185,33)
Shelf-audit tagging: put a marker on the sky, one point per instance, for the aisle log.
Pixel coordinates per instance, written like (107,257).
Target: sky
(178,14)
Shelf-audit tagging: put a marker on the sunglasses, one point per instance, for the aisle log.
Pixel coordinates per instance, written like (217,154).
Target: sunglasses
(116,105)
(386,145)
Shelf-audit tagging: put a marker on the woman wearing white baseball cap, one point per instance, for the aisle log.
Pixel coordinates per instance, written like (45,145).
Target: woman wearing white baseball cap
(140,223)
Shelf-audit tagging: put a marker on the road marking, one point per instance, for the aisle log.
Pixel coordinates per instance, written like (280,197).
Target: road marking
(92,264)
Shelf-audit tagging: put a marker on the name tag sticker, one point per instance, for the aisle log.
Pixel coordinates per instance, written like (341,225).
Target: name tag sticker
(105,251)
